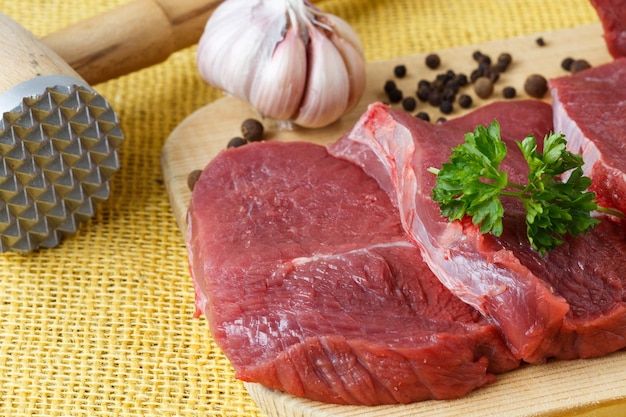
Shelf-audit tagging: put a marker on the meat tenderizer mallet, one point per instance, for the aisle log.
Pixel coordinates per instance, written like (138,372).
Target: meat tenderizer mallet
(58,144)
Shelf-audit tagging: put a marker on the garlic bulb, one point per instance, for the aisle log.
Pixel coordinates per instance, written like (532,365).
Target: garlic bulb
(288,59)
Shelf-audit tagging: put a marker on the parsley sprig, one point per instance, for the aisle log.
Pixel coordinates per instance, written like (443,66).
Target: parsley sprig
(472,184)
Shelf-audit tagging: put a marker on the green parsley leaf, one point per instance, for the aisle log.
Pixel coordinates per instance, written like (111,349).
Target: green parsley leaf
(472,184)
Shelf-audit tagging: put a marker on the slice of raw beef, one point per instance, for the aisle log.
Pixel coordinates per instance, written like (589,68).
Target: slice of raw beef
(612,14)
(311,286)
(568,304)
(590,108)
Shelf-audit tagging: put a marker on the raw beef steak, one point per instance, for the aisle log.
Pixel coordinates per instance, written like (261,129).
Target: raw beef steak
(568,304)
(590,108)
(310,285)
(612,14)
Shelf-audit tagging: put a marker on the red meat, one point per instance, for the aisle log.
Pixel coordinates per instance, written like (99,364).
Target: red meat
(612,14)
(590,108)
(311,286)
(566,305)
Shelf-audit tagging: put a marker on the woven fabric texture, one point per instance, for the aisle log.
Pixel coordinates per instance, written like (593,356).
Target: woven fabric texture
(103,324)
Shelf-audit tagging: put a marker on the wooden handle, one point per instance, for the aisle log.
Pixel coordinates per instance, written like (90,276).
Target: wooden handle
(131,37)
(24,57)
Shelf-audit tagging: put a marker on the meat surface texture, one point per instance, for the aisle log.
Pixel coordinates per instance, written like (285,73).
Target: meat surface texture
(568,304)
(612,14)
(311,286)
(590,108)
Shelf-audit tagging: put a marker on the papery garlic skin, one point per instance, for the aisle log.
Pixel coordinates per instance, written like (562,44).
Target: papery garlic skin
(289,60)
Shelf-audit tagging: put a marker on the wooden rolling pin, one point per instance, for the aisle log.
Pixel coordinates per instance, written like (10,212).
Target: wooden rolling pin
(133,36)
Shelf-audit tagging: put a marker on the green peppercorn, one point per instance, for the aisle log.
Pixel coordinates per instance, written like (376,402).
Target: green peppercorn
(536,86)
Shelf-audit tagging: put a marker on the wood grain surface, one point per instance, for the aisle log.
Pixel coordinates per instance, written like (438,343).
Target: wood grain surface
(594,387)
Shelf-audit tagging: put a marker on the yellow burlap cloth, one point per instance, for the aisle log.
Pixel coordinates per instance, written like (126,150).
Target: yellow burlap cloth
(103,325)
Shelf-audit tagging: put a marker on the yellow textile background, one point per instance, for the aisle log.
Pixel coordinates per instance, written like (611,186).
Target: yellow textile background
(102,325)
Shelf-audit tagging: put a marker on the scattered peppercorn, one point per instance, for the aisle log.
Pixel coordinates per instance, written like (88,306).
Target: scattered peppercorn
(236,142)
(433,61)
(423,91)
(579,65)
(481,58)
(509,92)
(434,98)
(441,120)
(193,177)
(252,130)
(566,64)
(409,103)
(540,41)
(504,60)
(446,107)
(465,101)
(483,87)
(390,85)
(536,86)
(423,116)
(395,96)
(400,71)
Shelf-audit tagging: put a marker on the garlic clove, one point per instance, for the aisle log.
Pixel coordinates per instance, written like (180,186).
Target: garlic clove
(348,44)
(327,91)
(278,86)
(236,40)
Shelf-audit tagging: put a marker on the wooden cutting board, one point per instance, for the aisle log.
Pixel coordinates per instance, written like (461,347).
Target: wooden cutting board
(574,388)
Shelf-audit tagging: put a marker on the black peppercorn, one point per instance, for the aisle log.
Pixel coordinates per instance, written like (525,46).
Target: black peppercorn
(409,103)
(395,96)
(433,61)
(566,64)
(236,142)
(423,116)
(540,41)
(434,98)
(579,65)
(465,101)
(193,177)
(446,107)
(536,86)
(504,60)
(390,85)
(400,71)
(509,92)
(423,91)
(252,130)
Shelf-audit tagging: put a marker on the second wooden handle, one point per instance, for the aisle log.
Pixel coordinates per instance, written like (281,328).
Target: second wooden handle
(131,37)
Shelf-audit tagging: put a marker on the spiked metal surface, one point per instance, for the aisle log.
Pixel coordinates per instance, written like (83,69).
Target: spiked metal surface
(58,151)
